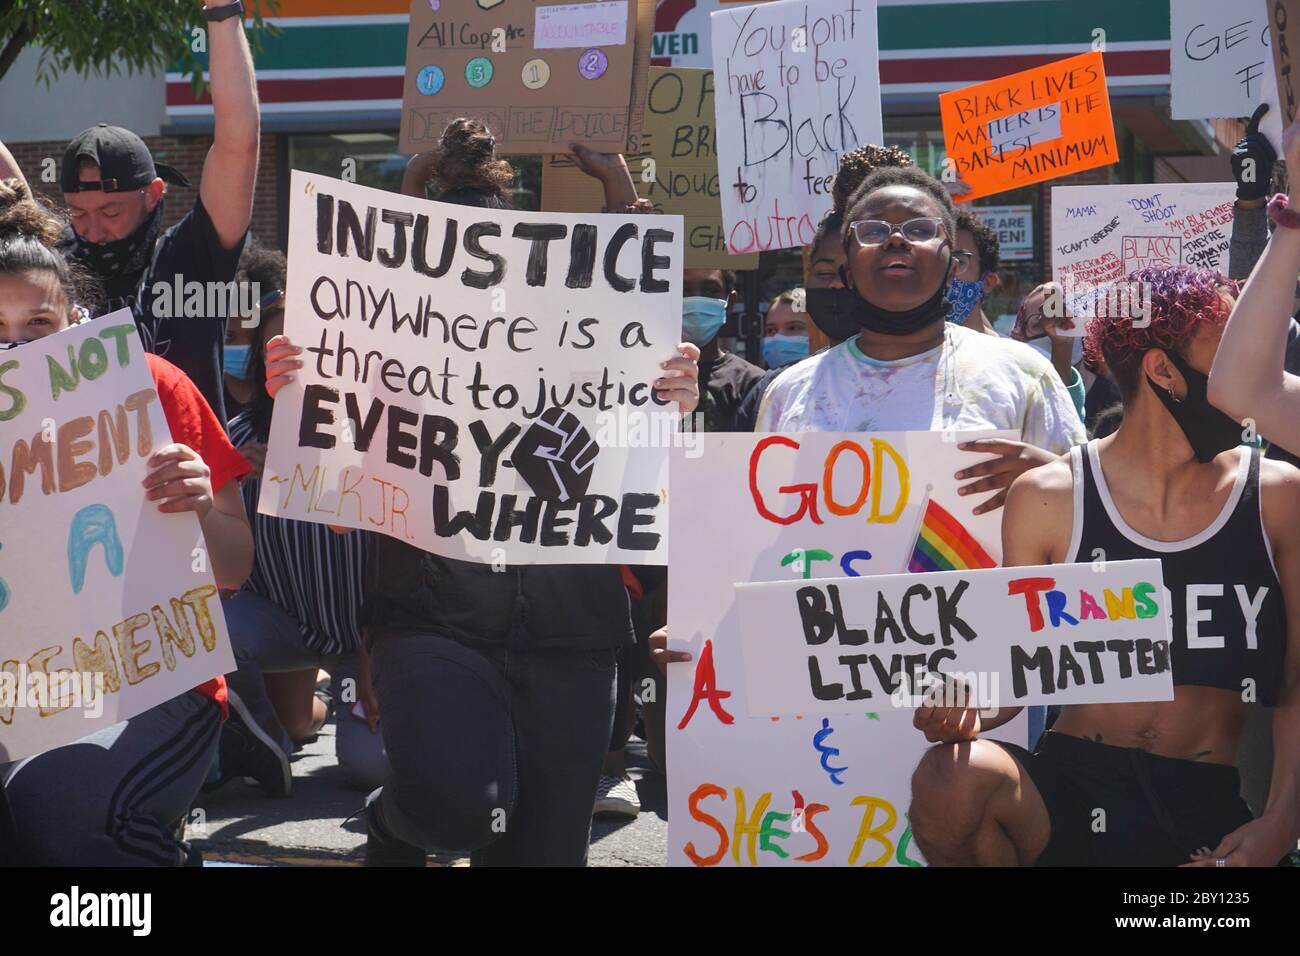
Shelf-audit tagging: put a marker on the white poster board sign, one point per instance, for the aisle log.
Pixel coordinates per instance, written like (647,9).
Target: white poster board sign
(1014,226)
(732,523)
(477,382)
(1064,634)
(1101,234)
(105,604)
(796,86)
(1218,57)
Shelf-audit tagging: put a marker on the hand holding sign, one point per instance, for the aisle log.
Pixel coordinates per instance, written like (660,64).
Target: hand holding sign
(555,456)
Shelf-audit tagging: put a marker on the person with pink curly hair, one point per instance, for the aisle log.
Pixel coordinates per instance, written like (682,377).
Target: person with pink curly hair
(1174,483)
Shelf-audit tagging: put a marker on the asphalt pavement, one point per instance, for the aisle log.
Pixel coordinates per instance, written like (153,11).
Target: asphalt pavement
(239,824)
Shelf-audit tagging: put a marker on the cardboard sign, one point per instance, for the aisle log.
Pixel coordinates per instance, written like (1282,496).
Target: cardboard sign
(478,381)
(107,606)
(1014,226)
(1031,126)
(1217,57)
(677,169)
(768,507)
(1284,32)
(1102,233)
(1064,634)
(539,75)
(797,86)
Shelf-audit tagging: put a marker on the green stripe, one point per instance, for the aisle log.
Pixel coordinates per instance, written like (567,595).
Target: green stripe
(1031,24)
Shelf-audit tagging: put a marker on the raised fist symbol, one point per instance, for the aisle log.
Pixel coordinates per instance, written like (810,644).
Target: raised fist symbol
(555,456)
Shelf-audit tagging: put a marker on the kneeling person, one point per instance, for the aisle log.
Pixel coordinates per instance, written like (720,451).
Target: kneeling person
(1146,784)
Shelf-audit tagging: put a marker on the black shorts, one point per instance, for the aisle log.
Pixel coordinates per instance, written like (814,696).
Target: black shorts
(1118,806)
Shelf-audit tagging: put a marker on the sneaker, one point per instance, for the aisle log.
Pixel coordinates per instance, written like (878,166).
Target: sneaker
(382,848)
(616,796)
(246,751)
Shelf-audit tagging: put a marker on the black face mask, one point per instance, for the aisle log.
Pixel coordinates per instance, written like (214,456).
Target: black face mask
(118,264)
(875,319)
(1208,430)
(832,311)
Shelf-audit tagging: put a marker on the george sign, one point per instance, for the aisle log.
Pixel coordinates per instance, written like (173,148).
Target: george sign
(797,86)
(108,606)
(1062,634)
(1014,226)
(1102,233)
(477,381)
(677,169)
(1217,57)
(826,788)
(1030,126)
(538,75)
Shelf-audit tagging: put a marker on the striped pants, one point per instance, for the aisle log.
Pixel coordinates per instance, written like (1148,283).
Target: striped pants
(115,798)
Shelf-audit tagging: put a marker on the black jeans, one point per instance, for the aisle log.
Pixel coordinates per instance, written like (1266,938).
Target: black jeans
(496,752)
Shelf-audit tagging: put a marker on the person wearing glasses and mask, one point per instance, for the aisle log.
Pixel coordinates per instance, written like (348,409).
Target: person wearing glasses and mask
(907,369)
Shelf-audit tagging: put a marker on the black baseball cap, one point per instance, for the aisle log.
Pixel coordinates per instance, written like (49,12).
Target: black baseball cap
(124,161)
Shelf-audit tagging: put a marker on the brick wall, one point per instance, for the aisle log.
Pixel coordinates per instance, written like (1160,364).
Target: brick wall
(186,154)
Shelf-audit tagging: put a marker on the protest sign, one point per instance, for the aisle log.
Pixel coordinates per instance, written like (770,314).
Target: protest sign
(539,75)
(108,606)
(769,507)
(1102,233)
(1014,226)
(1217,57)
(1284,32)
(477,381)
(797,86)
(677,169)
(1030,126)
(1064,634)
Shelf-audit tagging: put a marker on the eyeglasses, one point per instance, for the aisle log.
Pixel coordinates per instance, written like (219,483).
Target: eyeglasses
(873,232)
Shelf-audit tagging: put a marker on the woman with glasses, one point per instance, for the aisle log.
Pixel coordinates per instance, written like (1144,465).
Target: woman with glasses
(909,370)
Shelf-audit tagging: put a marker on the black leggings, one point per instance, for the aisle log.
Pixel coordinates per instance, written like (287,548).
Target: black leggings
(497,753)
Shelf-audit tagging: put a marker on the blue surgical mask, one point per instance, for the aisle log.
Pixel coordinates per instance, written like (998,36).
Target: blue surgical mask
(965,297)
(702,319)
(237,358)
(779,350)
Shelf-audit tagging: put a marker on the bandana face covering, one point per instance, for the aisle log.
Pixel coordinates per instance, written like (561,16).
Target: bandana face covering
(120,263)
(1208,430)
(964,297)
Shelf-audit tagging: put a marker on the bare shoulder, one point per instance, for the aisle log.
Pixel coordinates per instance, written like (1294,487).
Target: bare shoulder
(1045,485)
(1039,515)
(1279,495)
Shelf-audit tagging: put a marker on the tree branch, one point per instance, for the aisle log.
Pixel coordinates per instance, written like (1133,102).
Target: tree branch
(15,45)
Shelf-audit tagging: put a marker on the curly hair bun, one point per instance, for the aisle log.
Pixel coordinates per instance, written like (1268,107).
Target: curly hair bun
(21,215)
(466,158)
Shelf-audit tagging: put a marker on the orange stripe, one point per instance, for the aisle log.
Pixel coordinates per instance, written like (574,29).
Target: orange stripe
(339,8)
(958,538)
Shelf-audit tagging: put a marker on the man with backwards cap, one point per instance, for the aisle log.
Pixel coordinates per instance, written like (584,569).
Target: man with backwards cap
(115,191)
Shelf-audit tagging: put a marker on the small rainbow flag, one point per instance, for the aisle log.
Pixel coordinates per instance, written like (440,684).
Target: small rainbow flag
(942,544)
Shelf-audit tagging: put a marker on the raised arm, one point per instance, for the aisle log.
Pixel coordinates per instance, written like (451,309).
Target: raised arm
(1247,379)
(1252,163)
(9,168)
(230,171)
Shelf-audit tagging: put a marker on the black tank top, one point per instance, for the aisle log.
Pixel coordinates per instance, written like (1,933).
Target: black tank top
(1224,575)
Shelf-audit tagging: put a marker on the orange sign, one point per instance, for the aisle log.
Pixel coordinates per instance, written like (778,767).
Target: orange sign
(1024,128)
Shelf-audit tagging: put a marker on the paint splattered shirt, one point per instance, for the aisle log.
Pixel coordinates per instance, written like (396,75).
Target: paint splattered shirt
(972,381)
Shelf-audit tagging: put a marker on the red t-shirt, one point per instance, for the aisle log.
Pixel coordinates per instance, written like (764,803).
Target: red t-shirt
(193,423)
